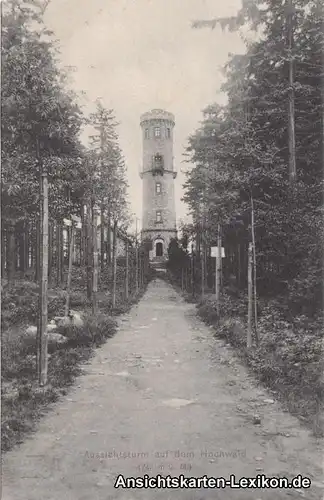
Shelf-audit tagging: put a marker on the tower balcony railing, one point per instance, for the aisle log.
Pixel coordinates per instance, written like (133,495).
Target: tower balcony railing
(157,168)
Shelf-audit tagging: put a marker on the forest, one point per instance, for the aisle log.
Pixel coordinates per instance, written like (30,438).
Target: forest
(60,288)
(256,189)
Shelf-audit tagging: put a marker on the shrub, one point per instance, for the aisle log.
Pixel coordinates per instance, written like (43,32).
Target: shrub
(208,313)
(288,359)
(55,306)
(16,309)
(64,365)
(78,299)
(15,360)
(20,304)
(94,332)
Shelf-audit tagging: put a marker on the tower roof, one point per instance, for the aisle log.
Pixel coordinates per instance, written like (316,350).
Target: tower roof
(157,114)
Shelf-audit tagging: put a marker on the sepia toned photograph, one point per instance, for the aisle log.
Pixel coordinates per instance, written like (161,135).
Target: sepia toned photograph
(162,239)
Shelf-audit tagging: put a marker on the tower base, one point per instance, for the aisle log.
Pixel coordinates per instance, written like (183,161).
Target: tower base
(160,243)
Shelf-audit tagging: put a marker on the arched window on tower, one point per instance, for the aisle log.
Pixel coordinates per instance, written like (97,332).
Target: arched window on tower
(157,132)
(147,133)
(168,133)
(159,249)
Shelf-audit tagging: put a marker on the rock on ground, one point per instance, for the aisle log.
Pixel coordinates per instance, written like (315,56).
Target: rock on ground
(74,319)
(53,337)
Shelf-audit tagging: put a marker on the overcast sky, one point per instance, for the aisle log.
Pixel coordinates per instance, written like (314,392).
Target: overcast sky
(142,54)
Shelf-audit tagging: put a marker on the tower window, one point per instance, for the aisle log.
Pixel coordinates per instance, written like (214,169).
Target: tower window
(168,133)
(158,161)
(147,133)
(159,249)
(158,216)
(157,132)
(158,187)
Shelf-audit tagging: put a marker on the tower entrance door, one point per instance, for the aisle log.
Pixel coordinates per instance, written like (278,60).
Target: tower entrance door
(159,249)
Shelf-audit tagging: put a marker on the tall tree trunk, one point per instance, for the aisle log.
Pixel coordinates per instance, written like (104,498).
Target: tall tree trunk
(202,263)
(239,262)
(218,271)
(109,238)
(221,278)
(11,253)
(127,271)
(68,242)
(21,237)
(254,273)
(76,247)
(37,249)
(32,245)
(192,272)
(50,249)
(89,256)
(137,263)
(3,251)
(69,276)
(58,253)
(95,262)
(102,238)
(42,358)
(145,266)
(198,239)
(131,269)
(208,266)
(197,259)
(17,246)
(27,244)
(321,16)
(83,238)
(250,298)
(62,253)
(291,94)
(114,264)
(140,269)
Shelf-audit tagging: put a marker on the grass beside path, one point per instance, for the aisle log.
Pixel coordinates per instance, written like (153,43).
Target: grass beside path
(289,357)
(23,401)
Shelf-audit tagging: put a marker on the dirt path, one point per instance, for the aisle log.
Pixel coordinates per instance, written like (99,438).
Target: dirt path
(161,397)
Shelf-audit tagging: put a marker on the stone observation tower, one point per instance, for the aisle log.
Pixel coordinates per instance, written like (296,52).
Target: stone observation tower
(159,217)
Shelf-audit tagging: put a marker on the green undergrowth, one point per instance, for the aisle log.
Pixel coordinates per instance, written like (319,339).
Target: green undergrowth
(288,358)
(23,401)
(19,304)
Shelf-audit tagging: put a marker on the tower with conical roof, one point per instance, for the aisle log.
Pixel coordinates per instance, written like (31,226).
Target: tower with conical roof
(158,174)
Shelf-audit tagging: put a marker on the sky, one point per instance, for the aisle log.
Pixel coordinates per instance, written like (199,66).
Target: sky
(137,55)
